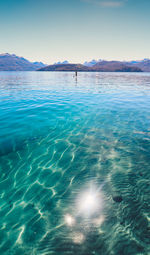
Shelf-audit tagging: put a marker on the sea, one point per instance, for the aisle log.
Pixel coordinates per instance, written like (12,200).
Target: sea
(74,163)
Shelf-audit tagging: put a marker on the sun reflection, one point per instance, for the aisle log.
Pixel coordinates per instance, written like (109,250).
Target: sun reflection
(70,221)
(89,202)
(87,213)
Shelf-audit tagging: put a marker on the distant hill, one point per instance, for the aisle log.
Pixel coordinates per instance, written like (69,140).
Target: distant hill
(102,66)
(65,67)
(144,65)
(11,62)
(115,66)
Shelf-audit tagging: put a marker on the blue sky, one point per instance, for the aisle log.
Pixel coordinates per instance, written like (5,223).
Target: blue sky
(76,30)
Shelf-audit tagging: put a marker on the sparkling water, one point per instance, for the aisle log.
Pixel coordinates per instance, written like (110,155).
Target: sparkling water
(74,163)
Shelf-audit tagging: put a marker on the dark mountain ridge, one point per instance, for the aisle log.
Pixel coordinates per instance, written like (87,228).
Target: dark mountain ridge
(103,66)
(65,67)
(11,62)
(143,65)
(115,66)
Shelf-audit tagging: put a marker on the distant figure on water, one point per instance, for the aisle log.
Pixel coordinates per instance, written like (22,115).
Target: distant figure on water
(76,76)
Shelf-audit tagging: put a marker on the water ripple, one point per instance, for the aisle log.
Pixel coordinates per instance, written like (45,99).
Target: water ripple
(74,163)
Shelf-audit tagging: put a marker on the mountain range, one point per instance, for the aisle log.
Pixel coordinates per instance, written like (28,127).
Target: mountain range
(144,65)
(11,62)
(103,66)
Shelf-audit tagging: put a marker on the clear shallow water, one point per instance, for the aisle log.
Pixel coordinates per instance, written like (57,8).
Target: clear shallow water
(74,163)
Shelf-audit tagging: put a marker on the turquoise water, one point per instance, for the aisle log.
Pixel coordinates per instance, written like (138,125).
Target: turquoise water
(74,163)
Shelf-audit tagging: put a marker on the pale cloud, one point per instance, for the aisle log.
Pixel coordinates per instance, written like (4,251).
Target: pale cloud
(107,3)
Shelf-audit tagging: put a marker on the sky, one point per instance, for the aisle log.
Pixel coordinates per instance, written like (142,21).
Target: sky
(75,30)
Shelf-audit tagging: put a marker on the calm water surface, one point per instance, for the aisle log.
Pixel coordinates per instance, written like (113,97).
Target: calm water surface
(74,163)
